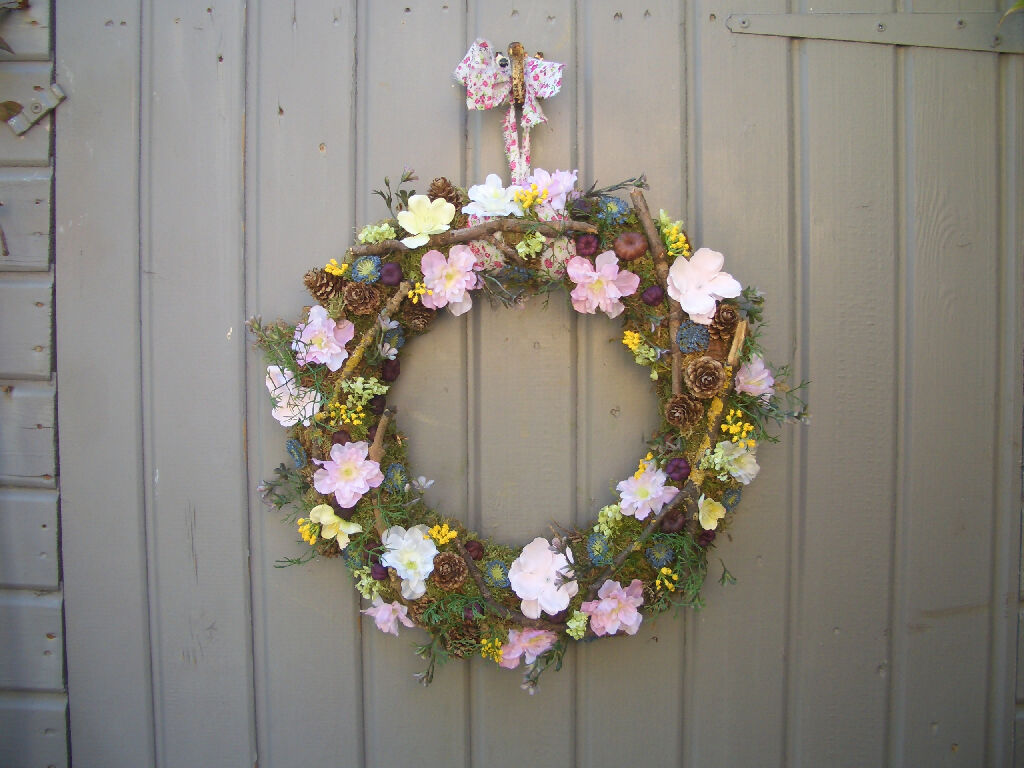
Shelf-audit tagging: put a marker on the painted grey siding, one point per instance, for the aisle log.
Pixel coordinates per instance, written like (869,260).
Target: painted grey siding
(209,155)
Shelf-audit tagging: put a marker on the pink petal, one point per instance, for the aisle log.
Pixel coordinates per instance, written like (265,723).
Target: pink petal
(707,261)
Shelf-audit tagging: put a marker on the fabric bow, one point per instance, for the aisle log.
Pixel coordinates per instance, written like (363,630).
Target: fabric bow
(489,84)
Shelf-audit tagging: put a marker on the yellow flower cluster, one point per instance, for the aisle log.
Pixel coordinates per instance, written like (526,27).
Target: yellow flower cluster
(490,648)
(530,197)
(632,340)
(336,269)
(675,240)
(418,291)
(341,413)
(667,579)
(737,429)
(308,530)
(642,467)
(442,534)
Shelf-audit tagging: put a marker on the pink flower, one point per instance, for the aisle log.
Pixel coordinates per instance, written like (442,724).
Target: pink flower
(755,378)
(387,615)
(449,281)
(526,643)
(600,286)
(321,340)
(348,474)
(642,494)
(617,608)
(540,577)
(558,184)
(699,282)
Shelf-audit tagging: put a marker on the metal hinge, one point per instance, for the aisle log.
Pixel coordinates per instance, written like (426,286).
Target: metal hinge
(960,31)
(21,117)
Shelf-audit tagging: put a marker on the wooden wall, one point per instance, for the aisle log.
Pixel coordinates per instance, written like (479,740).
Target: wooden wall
(210,153)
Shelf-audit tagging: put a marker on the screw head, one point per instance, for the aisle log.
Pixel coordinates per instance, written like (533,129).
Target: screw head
(35,108)
(881,27)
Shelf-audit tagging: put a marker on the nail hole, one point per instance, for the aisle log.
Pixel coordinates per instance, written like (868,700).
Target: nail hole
(50,636)
(618,16)
(514,13)
(47,653)
(220,58)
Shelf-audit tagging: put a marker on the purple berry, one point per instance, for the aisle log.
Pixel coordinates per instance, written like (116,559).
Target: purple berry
(587,244)
(390,369)
(705,538)
(391,273)
(475,549)
(677,469)
(377,404)
(378,572)
(341,437)
(652,296)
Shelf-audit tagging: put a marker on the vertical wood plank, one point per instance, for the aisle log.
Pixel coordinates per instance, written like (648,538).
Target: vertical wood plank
(193,372)
(300,162)
(32,638)
(33,729)
(409,114)
(617,408)
(28,538)
(28,454)
(26,326)
(97,233)
(25,217)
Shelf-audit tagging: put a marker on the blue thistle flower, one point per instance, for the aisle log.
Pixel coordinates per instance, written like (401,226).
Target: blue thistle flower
(731,498)
(366,269)
(660,554)
(514,274)
(296,452)
(496,574)
(395,337)
(612,211)
(693,337)
(598,550)
(395,478)
(353,561)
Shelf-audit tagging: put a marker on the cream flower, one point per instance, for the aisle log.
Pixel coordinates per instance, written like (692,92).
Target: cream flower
(698,283)
(709,513)
(539,576)
(292,403)
(411,553)
(387,615)
(491,199)
(332,526)
(424,218)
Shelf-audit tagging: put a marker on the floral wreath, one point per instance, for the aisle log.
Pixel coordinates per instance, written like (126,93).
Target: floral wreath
(348,486)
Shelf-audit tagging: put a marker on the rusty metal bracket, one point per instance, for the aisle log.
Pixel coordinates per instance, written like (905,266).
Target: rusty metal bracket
(38,107)
(960,31)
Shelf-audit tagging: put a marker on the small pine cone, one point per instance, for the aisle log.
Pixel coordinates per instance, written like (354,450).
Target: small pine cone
(416,317)
(441,187)
(417,608)
(704,377)
(361,299)
(684,412)
(322,286)
(724,323)
(450,570)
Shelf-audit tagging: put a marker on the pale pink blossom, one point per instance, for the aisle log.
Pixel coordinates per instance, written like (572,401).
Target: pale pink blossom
(527,644)
(450,280)
(291,402)
(540,576)
(600,285)
(698,283)
(617,608)
(558,185)
(755,378)
(642,494)
(348,474)
(387,615)
(321,340)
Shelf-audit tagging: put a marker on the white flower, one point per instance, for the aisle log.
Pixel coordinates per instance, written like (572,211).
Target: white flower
(698,283)
(292,403)
(332,526)
(539,576)
(491,199)
(424,218)
(420,484)
(709,513)
(740,461)
(411,553)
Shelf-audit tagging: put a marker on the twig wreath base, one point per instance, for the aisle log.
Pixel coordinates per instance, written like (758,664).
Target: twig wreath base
(348,486)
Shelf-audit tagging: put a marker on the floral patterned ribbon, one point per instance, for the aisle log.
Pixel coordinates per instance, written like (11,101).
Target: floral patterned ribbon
(489,85)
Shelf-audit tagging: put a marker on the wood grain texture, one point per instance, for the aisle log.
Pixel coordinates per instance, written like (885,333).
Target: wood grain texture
(26,325)
(27,450)
(27,32)
(33,729)
(28,538)
(25,218)
(32,638)
(19,81)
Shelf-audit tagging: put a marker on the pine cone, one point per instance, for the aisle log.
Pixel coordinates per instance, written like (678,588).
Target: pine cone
(361,298)
(417,608)
(322,286)
(416,317)
(441,187)
(450,570)
(704,377)
(725,321)
(684,412)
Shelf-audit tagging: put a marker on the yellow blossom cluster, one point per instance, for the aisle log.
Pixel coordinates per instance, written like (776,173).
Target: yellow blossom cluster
(632,340)
(642,467)
(667,579)
(336,269)
(675,240)
(342,413)
(418,291)
(530,197)
(490,648)
(308,530)
(737,429)
(442,534)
